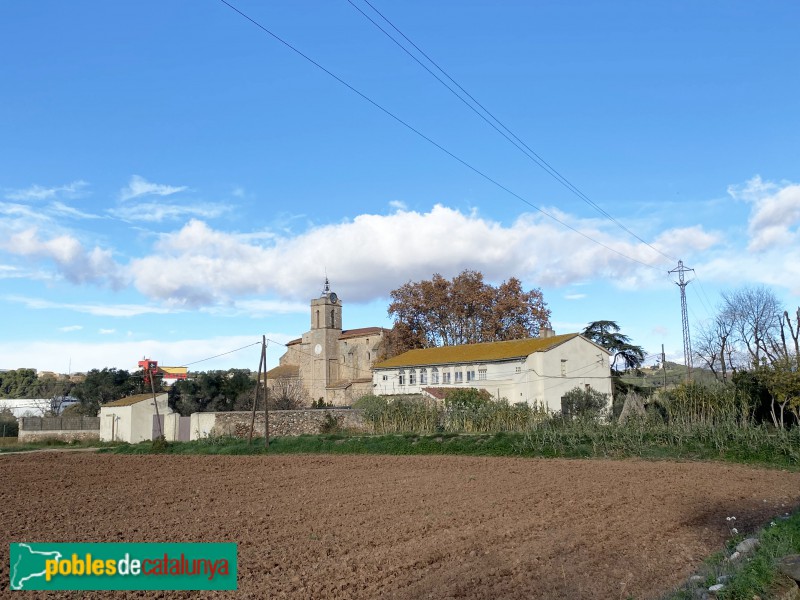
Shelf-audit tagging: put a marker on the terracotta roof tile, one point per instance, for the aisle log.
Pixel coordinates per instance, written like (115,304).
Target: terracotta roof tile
(486,352)
(130,400)
(283,371)
(362,332)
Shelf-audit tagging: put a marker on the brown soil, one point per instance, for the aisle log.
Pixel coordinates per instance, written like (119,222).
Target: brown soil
(400,527)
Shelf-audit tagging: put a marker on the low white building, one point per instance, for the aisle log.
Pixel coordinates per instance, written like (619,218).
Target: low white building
(37,407)
(534,370)
(131,419)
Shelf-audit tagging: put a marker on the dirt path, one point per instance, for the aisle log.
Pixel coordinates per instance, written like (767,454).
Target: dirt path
(313,526)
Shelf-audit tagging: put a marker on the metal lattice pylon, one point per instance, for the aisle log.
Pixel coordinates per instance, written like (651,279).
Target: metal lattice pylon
(687,340)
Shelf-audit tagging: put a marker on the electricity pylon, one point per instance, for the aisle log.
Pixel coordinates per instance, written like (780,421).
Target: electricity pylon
(687,340)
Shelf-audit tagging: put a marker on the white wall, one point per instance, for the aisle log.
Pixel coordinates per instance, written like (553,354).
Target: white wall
(120,416)
(201,425)
(134,423)
(584,364)
(142,418)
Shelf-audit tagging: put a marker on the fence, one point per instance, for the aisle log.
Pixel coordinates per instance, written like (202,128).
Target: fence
(59,423)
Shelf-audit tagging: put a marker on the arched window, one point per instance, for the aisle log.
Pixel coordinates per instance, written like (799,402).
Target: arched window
(317,318)
(333,322)
(401,377)
(435,376)
(423,376)
(412,377)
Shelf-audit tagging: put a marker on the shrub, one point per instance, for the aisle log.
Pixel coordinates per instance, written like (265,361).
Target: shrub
(330,424)
(583,404)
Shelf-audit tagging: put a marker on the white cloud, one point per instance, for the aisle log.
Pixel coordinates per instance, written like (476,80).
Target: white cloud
(775,217)
(38,192)
(106,331)
(59,208)
(56,356)
(155,212)
(76,263)
(683,240)
(99,310)
(139,186)
(372,254)
(574,296)
(398,205)
(257,308)
(69,328)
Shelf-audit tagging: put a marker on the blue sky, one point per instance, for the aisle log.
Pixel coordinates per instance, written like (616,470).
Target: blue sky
(175,182)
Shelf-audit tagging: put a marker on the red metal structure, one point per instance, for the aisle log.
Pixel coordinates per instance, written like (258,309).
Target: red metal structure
(149,368)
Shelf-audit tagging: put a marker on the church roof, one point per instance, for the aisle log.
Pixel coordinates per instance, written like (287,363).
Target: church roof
(284,371)
(362,332)
(470,353)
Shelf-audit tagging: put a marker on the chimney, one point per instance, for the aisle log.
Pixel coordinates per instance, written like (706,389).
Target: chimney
(546,332)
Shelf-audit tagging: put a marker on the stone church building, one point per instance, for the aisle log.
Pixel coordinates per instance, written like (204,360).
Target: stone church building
(331,363)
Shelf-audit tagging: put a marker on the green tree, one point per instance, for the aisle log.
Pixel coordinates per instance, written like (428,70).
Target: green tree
(214,391)
(20,383)
(9,426)
(583,404)
(102,386)
(607,334)
(782,380)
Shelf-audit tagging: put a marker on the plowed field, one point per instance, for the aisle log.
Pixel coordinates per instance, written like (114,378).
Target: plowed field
(312,526)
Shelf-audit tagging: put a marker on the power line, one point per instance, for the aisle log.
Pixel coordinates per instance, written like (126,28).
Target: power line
(503,130)
(430,140)
(218,355)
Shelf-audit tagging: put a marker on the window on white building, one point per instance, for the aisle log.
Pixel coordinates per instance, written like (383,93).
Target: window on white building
(446,377)
(459,377)
(518,370)
(435,376)
(482,374)
(412,377)
(470,375)
(563,367)
(385,378)
(401,377)
(423,376)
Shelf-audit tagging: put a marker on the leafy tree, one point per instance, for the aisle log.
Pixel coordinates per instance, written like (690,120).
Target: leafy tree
(102,386)
(583,404)
(20,383)
(782,380)
(607,334)
(463,310)
(9,426)
(214,391)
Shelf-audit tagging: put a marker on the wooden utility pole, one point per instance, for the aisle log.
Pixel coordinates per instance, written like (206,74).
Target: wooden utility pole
(262,368)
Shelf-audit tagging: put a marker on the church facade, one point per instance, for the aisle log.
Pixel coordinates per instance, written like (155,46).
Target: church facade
(332,363)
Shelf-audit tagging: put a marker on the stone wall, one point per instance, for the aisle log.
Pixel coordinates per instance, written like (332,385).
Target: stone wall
(66,435)
(286,422)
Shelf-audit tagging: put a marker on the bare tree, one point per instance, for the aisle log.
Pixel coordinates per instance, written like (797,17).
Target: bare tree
(715,346)
(755,314)
(287,393)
